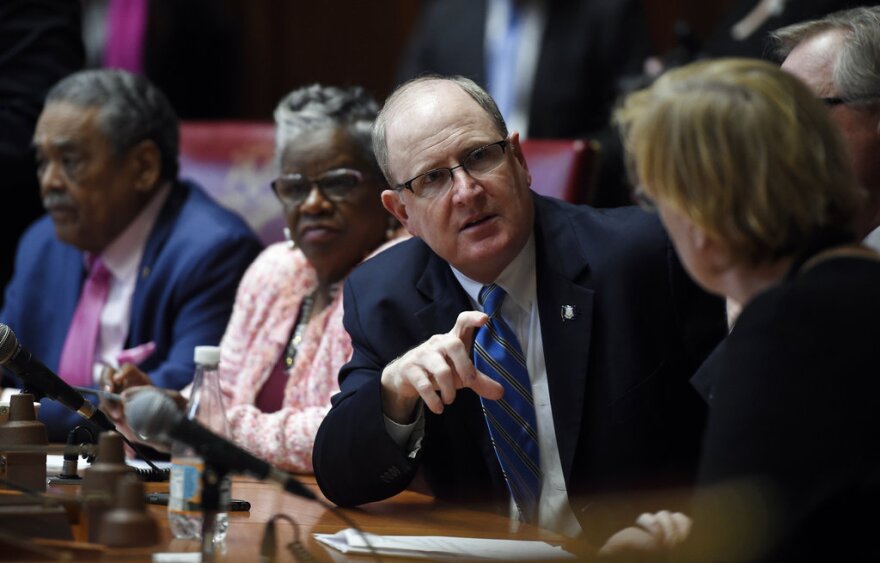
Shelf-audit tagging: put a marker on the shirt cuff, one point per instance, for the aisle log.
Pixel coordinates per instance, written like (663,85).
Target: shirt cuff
(408,436)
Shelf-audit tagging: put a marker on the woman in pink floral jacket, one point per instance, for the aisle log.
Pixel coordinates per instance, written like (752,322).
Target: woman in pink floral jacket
(285,342)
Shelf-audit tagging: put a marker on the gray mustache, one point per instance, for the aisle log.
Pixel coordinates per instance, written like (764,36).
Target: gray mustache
(53,199)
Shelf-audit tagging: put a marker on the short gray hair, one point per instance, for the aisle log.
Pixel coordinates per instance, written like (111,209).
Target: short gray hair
(471,88)
(130,110)
(857,70)
(317,107)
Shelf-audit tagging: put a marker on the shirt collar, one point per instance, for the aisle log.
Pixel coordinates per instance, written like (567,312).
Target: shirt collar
(517,279)
(122,256)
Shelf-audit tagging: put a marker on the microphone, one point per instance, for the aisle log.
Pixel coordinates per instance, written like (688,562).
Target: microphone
(154,416)
(40,379)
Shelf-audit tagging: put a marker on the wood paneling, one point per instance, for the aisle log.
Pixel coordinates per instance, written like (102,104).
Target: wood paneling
(291,43)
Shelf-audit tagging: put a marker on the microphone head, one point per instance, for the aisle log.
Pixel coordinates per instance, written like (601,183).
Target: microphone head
(8,343)
(151,414)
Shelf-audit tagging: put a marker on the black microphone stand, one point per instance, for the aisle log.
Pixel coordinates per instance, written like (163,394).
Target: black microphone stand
(212,477)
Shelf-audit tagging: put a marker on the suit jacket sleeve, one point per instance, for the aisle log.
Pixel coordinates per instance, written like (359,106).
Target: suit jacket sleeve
(354,428)
(205,295)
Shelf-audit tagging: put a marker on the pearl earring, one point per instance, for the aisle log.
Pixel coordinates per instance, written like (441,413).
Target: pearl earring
(289,238)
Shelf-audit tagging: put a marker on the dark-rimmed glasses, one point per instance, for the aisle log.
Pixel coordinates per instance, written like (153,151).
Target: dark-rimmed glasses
(437,181)
(335,185)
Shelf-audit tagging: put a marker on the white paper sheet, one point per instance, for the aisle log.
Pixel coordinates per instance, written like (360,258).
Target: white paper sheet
(434,547)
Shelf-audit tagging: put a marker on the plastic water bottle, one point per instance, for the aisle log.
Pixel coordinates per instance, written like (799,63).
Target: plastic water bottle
(185,489)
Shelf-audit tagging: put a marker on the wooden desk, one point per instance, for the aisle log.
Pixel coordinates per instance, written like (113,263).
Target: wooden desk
(409,513)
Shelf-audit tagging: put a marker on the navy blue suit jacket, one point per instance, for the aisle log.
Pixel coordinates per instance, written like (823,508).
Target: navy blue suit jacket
(624,413)
(192,263)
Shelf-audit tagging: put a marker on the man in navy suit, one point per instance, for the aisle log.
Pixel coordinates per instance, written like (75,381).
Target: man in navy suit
(610,327)
(107,144)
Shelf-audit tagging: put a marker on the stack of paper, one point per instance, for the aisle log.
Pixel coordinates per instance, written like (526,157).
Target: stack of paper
(435,547)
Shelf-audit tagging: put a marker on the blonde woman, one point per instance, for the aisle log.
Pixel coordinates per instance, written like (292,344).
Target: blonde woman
(753,184)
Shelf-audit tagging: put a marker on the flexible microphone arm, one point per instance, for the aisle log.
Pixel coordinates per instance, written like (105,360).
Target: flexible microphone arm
(154,416)
(42,382)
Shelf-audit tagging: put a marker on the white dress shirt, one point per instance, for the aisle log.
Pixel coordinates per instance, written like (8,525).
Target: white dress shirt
(123,257)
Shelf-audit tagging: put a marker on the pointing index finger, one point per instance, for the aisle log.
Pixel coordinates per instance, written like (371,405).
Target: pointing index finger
(466,323)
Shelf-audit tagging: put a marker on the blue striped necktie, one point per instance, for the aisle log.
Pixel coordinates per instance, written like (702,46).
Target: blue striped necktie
(511,420)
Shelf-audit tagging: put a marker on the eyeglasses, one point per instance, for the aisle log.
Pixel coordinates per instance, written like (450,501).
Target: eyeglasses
(335,185)
(837,101)
(478,162)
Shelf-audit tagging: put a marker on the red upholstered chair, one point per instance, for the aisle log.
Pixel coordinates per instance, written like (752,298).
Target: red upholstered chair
(562,168)
(233,162)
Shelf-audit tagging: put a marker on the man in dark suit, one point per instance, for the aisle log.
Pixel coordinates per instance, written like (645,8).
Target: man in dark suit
(608,323)
(40,43)
(106,146)
(567,61)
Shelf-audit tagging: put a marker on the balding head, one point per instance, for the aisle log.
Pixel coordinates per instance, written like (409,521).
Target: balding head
(403,95)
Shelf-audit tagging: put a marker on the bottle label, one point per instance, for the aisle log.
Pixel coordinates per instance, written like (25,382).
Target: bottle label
(185,486)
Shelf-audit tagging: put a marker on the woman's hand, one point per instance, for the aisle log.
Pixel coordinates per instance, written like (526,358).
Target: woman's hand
(125,383)
(659,531)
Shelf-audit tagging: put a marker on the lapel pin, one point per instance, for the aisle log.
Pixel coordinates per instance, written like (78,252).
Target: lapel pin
(568,313)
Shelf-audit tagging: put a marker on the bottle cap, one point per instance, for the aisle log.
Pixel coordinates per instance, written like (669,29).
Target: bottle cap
(207,355)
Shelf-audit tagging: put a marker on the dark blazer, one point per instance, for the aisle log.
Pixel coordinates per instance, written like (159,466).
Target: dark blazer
(624,413)
(794,416)
(192,263)
(40,43)
(588,45)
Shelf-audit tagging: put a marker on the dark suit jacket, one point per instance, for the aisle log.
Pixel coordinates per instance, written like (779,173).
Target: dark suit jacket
(587,46)
(794,415)
(40,43)
(192,262)
(625,415)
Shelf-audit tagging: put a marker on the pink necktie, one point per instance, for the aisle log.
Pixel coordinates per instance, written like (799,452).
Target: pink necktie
(78,355)
(126,27)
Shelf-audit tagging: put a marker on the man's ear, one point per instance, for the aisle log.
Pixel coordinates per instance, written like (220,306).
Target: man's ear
(146,162)
(393,203)
(516,151)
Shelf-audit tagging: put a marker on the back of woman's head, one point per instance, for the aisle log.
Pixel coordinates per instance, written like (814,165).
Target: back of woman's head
(745,151)
(317,107)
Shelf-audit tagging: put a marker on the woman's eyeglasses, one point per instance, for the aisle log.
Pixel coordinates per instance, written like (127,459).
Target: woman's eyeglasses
(335,185)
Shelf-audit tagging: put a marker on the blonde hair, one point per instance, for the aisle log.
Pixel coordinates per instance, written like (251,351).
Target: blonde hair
(745,151)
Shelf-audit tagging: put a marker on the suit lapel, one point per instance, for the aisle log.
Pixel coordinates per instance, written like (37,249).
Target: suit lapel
(445,297)
(561,271)
(152,249)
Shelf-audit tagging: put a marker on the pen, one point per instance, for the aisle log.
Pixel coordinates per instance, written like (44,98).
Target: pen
(106,395)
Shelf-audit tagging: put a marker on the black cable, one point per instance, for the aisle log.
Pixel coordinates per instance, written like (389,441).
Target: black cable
(268,546)
(153,473)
